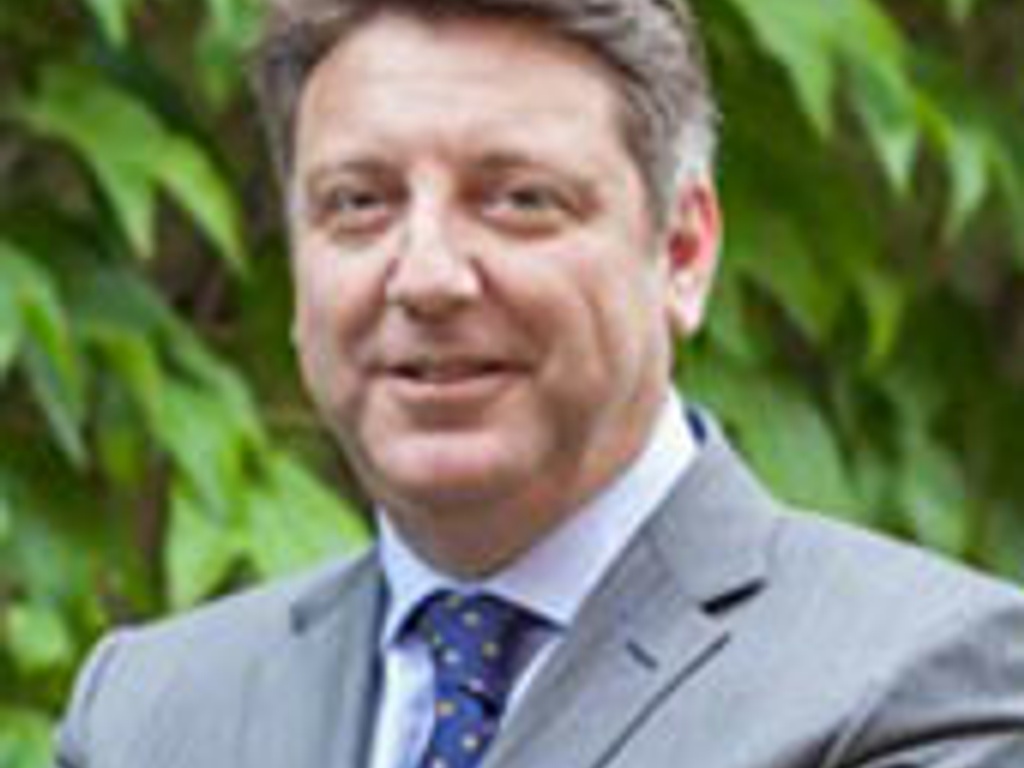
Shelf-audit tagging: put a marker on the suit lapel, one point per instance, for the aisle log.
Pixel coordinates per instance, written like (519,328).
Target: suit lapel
(637,642)
(312,700)
(654,623)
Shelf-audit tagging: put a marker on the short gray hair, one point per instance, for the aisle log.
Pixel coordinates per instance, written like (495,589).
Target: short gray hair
(651,46)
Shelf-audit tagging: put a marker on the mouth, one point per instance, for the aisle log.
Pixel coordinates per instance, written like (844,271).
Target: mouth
(448,372)
(462,383)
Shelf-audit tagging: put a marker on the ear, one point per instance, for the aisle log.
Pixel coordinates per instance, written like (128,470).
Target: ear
(694,238)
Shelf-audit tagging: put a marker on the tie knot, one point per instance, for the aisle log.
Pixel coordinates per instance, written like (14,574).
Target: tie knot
(475,642)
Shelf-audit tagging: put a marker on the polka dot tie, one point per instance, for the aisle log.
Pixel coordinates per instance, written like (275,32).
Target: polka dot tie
(474,643)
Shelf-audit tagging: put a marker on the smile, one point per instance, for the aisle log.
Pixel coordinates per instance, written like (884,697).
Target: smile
(451,372)
(456,382)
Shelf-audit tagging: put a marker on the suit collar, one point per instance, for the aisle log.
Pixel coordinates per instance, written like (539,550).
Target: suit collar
(713,534)
(659,617)
(312,699)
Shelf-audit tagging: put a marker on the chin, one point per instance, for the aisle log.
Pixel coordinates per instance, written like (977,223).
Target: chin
(439,472)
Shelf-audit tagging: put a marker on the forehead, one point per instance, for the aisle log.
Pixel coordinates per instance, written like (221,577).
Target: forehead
(399,80)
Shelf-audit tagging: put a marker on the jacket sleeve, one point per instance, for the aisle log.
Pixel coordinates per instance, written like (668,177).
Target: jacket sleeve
(957,702)
(71,741)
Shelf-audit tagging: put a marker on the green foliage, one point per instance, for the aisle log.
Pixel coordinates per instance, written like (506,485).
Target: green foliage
(133,156)
(864,347)
(137,474)
(866,341)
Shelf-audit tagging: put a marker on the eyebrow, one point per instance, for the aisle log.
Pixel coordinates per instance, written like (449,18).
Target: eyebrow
(322,175)
(497,163)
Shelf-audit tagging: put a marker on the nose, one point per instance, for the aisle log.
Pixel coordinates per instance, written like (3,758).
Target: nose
(432,275)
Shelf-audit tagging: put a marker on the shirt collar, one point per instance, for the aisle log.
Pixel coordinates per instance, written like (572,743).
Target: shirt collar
(554,578)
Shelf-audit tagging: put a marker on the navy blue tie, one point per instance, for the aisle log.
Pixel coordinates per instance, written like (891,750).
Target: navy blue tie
(475,644)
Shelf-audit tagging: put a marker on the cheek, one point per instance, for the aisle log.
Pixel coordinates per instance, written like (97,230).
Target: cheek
(613,302)
(336,297)
(546,301)
(317,356)
(333,310)
(568,310)
(623,327)
(314,321)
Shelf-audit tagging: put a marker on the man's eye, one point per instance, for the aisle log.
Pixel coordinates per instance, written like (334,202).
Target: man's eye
(527,207)
(356,211)
(532,199)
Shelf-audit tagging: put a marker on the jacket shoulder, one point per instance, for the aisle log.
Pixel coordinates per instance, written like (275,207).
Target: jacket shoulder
(255,618)
(189,662)
(856,568)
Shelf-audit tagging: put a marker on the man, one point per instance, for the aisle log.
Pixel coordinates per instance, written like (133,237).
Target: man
(500,211)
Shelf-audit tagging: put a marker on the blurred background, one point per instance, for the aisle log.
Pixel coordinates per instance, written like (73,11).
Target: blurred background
(866,346)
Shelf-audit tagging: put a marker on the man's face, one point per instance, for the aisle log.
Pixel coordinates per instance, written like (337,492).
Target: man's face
(481,297)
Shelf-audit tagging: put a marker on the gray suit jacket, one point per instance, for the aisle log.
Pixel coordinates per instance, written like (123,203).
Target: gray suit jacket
(732,634)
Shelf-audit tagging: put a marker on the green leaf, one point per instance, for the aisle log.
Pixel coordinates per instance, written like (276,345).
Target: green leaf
(201,550)
(295,521)
(868,35)
(37,638)
(113,300)
(960,10)
(56,552)
(874,50)
(64,414)
(47,325)
(959,125)
(969,163)
(871,472)
(133,155)
(10,326)
(6,512)
(30,298)
(113,18)
(888,107)
(772,252)
(133,358)
(726,323)
(229,31)
(113,133)
(133,197)
(206,444)
(1004,546)
(189,176)
(24,738)
(791,443)
(781,430)
(1009,172)
(50,358)
(801,36)
(121,447)
(885,303)
(934,494)
(221,383)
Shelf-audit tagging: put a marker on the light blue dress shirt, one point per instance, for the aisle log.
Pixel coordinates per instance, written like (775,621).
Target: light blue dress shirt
(553,580)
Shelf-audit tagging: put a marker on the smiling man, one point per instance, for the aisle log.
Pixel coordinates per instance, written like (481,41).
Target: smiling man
(501,215)
(483,291)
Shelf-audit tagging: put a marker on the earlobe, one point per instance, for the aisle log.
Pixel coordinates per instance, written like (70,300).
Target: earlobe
(694,239)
